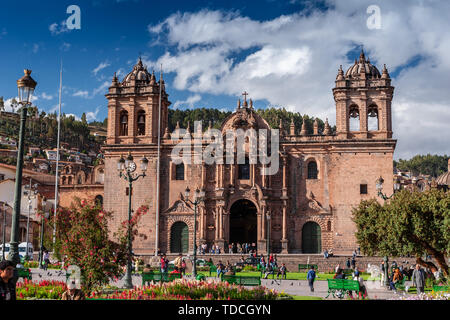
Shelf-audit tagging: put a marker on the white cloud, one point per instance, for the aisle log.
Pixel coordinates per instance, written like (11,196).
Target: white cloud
(91,116)
(46,96)
(102,88)
(65,46)
(100,67)
(190,101)
(35,48)
(81,93)
(56,28)
(292,60)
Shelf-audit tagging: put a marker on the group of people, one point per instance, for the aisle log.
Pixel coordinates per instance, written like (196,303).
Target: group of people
(239,248)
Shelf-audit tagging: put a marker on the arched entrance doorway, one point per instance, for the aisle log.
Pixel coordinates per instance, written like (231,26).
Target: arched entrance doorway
(179,237)
(243,222)
(311,238)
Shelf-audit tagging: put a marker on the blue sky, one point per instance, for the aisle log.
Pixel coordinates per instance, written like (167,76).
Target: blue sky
(284,53)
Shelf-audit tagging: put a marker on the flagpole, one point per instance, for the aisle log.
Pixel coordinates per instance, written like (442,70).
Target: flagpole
(157,168)
(57,156)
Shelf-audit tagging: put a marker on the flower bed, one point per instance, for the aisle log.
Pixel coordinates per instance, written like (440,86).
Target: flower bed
(423,296)
(190,290)
(42,290)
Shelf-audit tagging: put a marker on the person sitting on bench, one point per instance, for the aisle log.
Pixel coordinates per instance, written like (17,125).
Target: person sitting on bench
(269,270)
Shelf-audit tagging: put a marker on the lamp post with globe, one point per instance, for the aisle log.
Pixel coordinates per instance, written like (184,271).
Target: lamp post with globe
(126,168)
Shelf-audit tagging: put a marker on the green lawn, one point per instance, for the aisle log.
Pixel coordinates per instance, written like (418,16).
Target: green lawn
(306,298)
(289,275)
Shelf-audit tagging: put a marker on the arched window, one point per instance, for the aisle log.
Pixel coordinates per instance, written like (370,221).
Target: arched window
(141,123)
(312,170)
(123,123)
(372,118)
(63,180)
(354,118)
(244,170)
(179,171)
(69,180)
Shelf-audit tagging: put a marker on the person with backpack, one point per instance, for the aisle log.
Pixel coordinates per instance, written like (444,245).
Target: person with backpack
(311,276)
(178,262)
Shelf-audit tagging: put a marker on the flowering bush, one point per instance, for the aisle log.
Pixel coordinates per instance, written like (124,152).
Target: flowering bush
(190,290)
(43,290)
(423,296)
(83,240)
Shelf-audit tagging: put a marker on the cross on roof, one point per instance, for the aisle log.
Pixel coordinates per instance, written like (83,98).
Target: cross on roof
(245,94)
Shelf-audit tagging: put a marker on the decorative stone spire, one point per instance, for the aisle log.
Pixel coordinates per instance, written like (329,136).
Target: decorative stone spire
(385,74)
(362,57)
(115,81)
(292,128)
(251,104)
(340,75)
(281,127)
(153,78)
(316,127)
(326,130)
(209,125)
(239,104)
(166,134)
(178,125)
(303,131)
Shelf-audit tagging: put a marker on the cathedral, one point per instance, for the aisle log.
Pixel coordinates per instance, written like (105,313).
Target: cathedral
(306,207)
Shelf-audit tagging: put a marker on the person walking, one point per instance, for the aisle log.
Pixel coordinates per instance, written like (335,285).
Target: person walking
(163,263)
(282,271)
(354,262)
(418,279)
(348,263)
(7,283)
(311,276)
(46,260)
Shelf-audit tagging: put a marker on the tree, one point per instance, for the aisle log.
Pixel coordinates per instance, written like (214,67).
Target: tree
(83,118)
(83,239)
(411,223)
(433,165)
(2,104)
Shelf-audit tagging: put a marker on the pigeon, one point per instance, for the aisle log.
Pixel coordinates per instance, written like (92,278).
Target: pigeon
(40,276)
(292,283)
(272,282)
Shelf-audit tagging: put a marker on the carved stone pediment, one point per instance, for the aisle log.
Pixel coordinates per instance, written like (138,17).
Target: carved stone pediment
(180,206)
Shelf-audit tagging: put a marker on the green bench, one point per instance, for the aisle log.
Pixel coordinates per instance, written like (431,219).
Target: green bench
(306,267)
(212,268)
(400,285)
(159,277)
(24,273)
(441,288)
(242,281)
(338,288)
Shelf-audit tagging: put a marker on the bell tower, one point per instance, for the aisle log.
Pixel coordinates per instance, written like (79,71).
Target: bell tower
(363,99)
(133,107)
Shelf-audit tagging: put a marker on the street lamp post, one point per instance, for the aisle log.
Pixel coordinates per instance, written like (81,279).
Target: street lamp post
(199,197)
(46,214)
(379,186)
(126,168)
(268,237)
(31,193)
(26,86)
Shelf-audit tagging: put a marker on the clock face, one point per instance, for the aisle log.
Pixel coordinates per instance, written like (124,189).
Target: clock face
(132,167)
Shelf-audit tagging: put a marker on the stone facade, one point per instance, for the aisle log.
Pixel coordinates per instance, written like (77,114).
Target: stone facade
(320,177)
